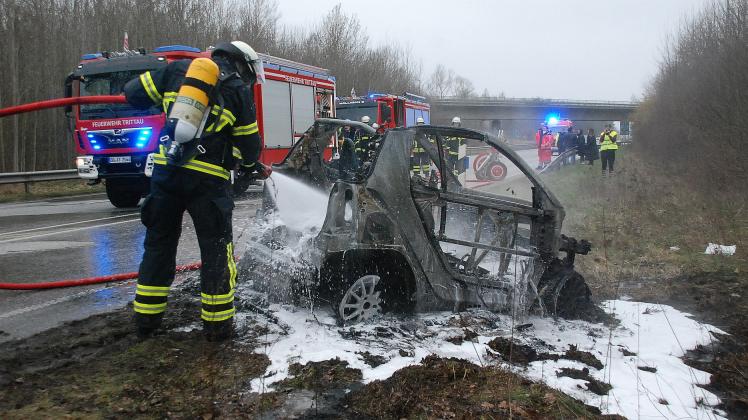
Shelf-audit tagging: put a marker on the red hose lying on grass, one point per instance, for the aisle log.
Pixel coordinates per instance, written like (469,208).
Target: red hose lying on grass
(88,280)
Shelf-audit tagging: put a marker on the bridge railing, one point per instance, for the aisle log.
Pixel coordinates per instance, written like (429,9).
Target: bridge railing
(537,102)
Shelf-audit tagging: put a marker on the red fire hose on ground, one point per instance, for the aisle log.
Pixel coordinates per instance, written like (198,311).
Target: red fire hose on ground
(88,280)
(54,103)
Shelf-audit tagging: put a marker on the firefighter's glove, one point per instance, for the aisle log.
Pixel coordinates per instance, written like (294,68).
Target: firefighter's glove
(254,172)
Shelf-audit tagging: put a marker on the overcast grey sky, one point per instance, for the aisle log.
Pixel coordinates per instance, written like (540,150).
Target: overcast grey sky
(575,49)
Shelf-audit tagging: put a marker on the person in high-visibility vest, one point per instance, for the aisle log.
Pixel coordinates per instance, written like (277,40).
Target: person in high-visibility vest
(453,149)
(361,140)
(419,159)
(608,147)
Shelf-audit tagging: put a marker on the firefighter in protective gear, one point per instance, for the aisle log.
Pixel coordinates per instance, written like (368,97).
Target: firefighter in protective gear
(608,147)
(453,149)
(419,159)
(361,141)
(199,185)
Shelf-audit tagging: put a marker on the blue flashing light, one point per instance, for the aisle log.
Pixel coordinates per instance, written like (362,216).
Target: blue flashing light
(140,145)
(552,120)
(90,136)
(90,56)
(93,141)
(142,138)
(170,48)
(145,132)
(97,147)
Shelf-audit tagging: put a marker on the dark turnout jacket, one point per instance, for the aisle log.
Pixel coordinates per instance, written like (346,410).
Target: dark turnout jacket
(230,133)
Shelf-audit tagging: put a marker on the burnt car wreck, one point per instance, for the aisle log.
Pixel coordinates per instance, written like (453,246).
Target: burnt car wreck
(410,227)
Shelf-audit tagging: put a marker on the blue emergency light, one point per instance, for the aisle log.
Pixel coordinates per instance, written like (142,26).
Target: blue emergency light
(172,48)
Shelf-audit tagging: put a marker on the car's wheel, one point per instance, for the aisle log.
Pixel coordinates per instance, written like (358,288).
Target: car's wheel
(496,171)
(121,194)
(565,293)
(362,301)
(361,289)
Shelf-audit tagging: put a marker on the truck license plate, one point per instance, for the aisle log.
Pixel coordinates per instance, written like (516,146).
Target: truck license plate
(119,159)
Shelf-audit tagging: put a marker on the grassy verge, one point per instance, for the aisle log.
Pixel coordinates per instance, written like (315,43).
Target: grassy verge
(647,227)
(16,192)
(649,232)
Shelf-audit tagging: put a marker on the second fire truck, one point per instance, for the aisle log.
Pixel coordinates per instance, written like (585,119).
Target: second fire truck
(388,111)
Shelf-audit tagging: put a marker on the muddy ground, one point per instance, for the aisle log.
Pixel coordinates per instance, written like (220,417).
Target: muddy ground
(98,368)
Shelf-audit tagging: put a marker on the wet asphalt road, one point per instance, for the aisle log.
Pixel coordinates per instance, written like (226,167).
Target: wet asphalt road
(71,238)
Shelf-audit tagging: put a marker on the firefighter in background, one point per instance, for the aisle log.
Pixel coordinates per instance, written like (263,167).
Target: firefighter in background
(608,147)
(453,149)
(362,140)
(213,103)
(347,159)
(419,158)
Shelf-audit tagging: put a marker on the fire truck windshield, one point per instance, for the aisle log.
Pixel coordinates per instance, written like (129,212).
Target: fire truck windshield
(109,84)
(354,113)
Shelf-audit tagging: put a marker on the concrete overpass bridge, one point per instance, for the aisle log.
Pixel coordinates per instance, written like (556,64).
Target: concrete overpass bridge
(520,117)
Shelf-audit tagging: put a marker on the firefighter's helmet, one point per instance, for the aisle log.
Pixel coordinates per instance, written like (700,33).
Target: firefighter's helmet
(420,121)
(375,126)
(245,57)
(456,121)
(365,119)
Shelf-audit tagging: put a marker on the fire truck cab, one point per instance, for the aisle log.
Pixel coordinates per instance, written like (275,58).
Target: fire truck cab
(113,140)
(388,111)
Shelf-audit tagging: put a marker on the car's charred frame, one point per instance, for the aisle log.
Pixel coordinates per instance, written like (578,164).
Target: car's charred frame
(394,239)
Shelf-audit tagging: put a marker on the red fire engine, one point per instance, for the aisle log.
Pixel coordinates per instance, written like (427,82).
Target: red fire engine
(388,111)
(114,140)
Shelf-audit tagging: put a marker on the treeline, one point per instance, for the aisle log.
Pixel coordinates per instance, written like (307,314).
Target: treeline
(42,40)
(694,120)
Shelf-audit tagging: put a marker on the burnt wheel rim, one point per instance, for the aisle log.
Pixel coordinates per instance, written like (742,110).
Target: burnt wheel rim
(361,301)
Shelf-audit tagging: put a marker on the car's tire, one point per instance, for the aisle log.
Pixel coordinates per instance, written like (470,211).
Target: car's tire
(388,290)
(565,293)
(122,194)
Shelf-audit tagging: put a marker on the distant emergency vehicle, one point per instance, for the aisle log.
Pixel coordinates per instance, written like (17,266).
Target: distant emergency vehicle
(388,111)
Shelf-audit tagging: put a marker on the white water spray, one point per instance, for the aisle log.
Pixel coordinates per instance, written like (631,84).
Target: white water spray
(300,207)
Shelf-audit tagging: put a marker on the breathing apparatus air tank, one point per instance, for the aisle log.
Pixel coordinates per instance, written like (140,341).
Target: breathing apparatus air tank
(190,109)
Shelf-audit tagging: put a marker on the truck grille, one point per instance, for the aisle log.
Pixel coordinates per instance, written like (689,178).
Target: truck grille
(136,138)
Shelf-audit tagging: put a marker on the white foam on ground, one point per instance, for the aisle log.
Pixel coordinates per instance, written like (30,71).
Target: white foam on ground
(659,334)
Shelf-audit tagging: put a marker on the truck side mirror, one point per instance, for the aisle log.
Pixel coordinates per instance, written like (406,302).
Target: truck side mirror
(68,93)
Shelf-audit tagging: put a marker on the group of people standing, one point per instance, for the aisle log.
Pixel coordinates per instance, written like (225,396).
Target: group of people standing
(586,146)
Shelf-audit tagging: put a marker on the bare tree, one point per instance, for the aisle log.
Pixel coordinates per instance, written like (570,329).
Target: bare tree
(42,41)
(441,81)
(463,88)
(692,120)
